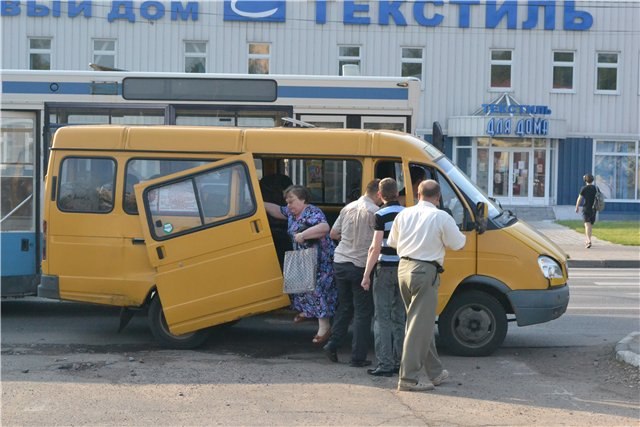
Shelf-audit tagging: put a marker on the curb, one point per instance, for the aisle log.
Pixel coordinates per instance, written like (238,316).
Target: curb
(603,263)
(627,349)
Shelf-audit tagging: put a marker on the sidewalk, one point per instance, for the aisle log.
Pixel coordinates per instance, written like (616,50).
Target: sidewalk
(602,254)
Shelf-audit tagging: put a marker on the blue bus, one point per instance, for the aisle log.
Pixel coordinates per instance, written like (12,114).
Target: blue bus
(34,104)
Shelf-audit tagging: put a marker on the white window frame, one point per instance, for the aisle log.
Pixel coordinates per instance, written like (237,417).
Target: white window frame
(357,59)
(603,65)
(252,56)
(564,64)
(99,52)
(197,55)
(493,62)
(420,61)
(35,51)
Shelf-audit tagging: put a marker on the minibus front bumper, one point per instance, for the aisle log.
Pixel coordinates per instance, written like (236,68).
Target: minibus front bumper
(532,307)
(49,287)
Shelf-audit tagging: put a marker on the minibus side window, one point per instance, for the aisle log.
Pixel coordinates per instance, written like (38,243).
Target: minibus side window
(87,184)
(200,201)
(450,201)
(138,170)
(330,181)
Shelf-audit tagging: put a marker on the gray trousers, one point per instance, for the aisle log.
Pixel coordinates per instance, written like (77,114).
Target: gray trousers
(389,317)
(419,282)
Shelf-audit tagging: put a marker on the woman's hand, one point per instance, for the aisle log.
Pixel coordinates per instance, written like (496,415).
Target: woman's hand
(299,238)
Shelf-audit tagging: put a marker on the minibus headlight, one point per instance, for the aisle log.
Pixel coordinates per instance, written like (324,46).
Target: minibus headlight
(550,268)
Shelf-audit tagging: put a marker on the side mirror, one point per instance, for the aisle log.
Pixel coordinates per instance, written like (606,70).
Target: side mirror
(482,214)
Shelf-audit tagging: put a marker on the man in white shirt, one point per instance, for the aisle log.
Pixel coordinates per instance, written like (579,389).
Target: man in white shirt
(420,235)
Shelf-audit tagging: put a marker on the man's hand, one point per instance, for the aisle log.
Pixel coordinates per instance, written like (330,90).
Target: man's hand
(366,283)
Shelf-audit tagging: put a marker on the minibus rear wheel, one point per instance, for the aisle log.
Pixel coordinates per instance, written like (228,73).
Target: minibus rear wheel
(160,330)
(474,323)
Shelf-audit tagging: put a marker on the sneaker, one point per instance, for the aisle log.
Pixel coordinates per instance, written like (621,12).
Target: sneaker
(360,363)
(406,386)
(440,378)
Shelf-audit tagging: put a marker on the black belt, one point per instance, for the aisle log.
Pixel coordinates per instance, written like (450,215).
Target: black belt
(434,263)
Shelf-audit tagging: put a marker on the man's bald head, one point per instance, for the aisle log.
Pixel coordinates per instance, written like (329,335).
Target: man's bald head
(429,190)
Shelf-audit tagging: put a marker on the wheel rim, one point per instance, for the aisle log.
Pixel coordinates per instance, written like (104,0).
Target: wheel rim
(166,331)
(474,325)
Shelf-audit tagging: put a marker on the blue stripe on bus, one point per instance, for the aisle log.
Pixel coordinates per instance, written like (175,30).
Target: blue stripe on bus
(62,88)
(342,92)
(77,88)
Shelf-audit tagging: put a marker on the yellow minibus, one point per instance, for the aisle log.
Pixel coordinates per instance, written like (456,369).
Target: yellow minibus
(172,218)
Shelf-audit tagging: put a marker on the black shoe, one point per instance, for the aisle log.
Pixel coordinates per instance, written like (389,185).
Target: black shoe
(360,363)
(330,352)
(379,372)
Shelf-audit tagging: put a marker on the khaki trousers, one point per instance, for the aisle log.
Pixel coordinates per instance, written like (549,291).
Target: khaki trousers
(419,282)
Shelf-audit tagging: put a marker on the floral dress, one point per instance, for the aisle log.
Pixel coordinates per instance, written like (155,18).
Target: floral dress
(321,302)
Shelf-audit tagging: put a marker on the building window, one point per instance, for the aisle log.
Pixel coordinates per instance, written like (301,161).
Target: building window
(607,72)
(501,69)
(40,54)
(259,56)
(349,60)
(616,166)
(563,68)
(104,52)
(195,57)
(412,59)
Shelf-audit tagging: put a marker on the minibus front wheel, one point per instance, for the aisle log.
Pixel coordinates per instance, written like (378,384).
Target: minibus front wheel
(163,335)
(474,323)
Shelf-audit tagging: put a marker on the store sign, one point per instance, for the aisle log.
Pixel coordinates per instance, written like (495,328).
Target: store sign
(514,124)
(271,11)
(509,14)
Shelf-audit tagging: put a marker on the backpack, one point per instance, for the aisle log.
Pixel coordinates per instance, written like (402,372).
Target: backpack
(598,201)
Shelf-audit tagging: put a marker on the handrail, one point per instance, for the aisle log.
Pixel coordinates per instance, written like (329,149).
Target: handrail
(16,208)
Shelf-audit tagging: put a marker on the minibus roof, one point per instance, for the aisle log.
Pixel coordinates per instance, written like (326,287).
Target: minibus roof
(233,140)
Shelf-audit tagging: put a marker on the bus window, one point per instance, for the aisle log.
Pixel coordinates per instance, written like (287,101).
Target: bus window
(17,169)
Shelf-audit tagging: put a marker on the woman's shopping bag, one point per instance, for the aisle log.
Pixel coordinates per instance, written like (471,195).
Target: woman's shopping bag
(300,268)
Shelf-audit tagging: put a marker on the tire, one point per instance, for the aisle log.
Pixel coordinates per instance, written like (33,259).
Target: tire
(474,323)
(160,330)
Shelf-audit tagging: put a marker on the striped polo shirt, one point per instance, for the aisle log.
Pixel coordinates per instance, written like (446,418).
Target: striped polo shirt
(384,220)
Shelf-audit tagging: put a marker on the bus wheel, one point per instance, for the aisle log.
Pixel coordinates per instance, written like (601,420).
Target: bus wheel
(160,330)
(473,324)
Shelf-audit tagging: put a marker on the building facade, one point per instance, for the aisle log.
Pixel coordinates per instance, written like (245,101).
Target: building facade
(530,95)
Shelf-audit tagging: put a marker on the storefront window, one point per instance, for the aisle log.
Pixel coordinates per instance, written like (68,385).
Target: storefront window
(616,169)
(539,174)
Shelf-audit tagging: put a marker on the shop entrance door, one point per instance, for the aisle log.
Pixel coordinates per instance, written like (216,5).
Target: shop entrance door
(511,173)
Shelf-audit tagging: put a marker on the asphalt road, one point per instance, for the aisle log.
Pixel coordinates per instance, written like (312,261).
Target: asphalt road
(64,363)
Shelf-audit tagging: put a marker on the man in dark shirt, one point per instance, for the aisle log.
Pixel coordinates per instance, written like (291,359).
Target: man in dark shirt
(389,321)
(586,198)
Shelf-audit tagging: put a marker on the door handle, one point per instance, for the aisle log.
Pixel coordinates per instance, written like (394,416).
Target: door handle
(160,252)
(256,225)
(137,241)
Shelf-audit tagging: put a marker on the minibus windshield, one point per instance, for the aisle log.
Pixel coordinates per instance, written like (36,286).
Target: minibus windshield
(462,181)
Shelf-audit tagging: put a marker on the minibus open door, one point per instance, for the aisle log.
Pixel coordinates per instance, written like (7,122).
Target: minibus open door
(208,238)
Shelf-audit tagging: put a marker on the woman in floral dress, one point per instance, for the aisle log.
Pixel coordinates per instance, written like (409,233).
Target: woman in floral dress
(307,226)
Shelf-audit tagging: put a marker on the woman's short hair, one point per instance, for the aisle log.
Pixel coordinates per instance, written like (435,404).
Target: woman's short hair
(588,178)
(301,192)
